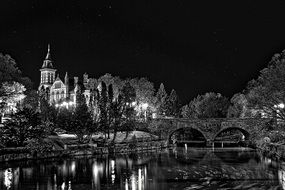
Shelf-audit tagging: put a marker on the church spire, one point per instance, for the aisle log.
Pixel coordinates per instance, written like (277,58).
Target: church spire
(47,61)
(66,78)
(48,57)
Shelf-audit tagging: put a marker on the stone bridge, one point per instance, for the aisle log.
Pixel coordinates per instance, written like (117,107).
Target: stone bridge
(211,128)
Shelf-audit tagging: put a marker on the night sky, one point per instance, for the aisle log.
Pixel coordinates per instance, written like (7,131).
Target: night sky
(191,46)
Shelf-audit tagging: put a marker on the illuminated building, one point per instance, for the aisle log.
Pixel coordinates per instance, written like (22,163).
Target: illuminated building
(57,91)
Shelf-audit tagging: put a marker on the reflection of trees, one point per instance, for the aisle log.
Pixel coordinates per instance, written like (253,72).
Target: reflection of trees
(281,177)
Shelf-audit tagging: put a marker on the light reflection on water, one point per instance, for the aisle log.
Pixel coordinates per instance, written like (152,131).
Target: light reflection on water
(181,168)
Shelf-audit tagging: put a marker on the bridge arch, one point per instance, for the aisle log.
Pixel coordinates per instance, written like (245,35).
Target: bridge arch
(170,135)
(243,131)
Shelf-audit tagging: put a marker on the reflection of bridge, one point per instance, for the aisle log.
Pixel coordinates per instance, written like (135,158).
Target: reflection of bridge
(206,156)
(211,128)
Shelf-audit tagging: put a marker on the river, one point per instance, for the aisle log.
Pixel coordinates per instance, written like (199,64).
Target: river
(180,168)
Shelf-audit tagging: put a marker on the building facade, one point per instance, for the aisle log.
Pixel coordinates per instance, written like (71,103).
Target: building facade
(60,92)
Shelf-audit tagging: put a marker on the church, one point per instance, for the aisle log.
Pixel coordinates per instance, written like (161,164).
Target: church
(61,92)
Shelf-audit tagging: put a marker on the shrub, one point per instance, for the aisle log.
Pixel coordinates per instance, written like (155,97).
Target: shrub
(39,146)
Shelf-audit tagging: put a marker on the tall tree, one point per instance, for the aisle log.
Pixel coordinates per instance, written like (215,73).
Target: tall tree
(103,100)
(48,114)
(110,111)
(128,96)
(173,105)
(267,92)
(82,118)
(161,100)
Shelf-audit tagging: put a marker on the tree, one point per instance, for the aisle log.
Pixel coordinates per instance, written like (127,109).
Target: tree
(77,121)
(48,114)
(172,105)
(110,112)
(267,92)
(115,81)
(22,126)
(14,95)
(127,96)
(83,122)
(31,100)
(10,78)
(144,90)
(145,95)
(213,105)
(209,105)
(192,110)
(117,108)
(239,106)
(102,104)
(161,100)
(107,79)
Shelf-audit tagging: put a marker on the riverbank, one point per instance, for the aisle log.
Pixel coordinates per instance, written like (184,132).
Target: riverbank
(272,150)
(21,153)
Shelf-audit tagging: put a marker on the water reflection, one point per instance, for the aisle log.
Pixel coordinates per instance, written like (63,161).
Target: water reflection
(97,174)
(281,175)
(8,176)
(180,168)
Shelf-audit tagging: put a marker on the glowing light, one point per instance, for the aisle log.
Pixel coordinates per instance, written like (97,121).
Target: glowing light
(64,104)
(113,171)
(140,179)
(8,175)
(97,170)
(144,106)
(69,185)
(126,185)
(134,103)
(73,167)
(133,182)
(113,166)
(63,186)
(55,181)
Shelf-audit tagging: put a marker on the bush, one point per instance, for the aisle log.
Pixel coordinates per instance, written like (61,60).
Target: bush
(277,136)
(39,146)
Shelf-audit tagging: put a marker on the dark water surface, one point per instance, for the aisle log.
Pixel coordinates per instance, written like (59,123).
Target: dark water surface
(180,168)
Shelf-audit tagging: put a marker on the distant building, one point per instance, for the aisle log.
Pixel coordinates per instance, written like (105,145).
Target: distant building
(60,92)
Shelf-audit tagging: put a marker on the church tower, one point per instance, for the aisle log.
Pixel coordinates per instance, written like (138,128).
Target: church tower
(66,82)
(47,72)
